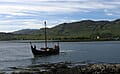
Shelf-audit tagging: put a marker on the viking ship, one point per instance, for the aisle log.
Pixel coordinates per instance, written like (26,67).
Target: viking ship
(45,50)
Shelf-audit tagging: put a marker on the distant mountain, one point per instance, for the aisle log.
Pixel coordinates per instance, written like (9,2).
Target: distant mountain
(79,28)
(85,28)
(26,31)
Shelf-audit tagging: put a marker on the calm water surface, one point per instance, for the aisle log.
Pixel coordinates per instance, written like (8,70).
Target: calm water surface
(18,53)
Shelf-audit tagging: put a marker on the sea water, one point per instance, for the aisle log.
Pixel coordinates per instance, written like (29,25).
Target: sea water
(18,53)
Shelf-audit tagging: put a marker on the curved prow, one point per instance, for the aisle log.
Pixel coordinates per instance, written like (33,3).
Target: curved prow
(31,45)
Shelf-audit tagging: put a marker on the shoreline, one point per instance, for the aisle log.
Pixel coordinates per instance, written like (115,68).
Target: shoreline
(42,41)
(68,68)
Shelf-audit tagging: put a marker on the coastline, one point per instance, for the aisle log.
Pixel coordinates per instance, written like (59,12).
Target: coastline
(68,68)
(42,41)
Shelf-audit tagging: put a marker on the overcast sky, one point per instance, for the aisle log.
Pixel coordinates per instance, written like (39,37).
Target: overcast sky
(24,14)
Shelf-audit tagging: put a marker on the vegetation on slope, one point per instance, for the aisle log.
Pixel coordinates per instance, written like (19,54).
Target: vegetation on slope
(82,30)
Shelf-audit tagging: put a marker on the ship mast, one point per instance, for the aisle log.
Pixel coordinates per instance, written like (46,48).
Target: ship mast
(45,35)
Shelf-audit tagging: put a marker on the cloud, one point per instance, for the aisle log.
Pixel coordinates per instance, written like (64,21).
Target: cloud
(30,13)
(56,7)
(8,28)
(13,25)
(109,14)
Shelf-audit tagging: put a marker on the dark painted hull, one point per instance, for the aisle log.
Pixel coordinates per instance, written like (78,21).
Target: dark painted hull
(45,51)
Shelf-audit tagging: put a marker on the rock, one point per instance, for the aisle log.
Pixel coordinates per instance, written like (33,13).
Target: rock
(63,68)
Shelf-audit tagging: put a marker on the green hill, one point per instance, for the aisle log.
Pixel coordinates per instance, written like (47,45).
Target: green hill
(81,30)
(88,29)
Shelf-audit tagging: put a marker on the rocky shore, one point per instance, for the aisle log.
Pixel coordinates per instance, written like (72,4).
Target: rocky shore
(68,68)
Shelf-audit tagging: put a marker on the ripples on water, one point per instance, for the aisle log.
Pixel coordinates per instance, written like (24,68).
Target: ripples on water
(18,53)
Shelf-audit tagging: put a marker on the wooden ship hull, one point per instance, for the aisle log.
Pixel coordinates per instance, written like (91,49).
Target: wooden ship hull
(45,51)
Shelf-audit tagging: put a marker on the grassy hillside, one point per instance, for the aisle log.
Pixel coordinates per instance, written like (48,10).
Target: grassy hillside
(7,36)
(81,30)
(88,29)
